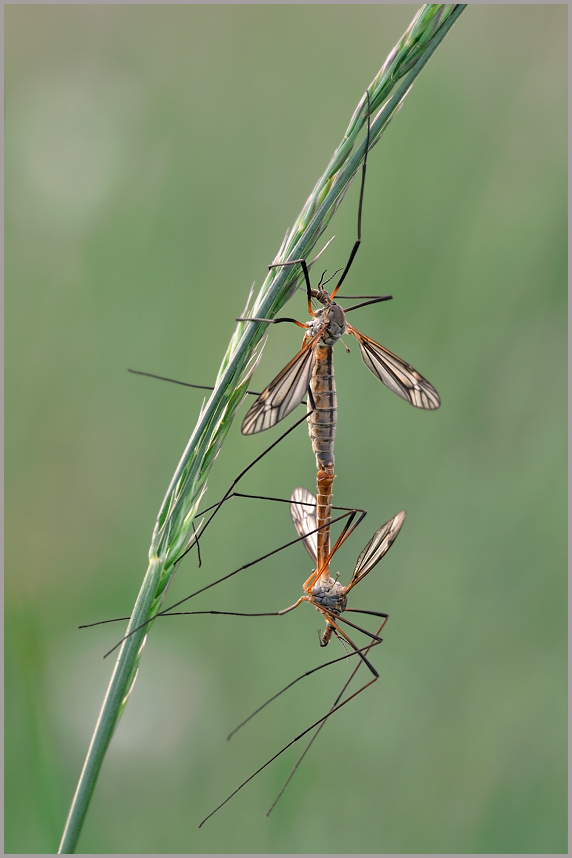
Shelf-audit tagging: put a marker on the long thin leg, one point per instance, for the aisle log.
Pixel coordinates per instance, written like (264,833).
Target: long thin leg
(301,262)
(264,557)
(167,611)
(172,380)
(233,613)
(371,613)
(315,736)
(218,581)
(228,493)
(196,539)
(367,303)
(360,206)
(343,635)
(271,321)
(241,475)
(346,532)
(289,745)
(294,681)
(350,509)
(242,495)
(353,626)
(183,383)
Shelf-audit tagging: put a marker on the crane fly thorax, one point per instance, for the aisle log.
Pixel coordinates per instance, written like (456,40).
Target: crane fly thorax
(331,320)
(329,594)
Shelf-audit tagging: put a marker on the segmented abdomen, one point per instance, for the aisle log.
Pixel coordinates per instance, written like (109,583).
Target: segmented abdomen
(322,421)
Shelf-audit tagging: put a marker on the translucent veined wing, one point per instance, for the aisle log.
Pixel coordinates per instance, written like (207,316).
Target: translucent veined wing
(283,394)
(304,519)
(377,547)
(396,374)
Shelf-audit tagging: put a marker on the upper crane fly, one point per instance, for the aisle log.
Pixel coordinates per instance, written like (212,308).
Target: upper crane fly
(313,363)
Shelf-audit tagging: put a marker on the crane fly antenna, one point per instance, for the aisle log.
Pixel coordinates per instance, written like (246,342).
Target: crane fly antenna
(323,282)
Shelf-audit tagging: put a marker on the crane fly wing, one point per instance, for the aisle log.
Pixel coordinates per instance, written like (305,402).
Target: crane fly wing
(303,512)
(396,374)
(377,547)
(283,394)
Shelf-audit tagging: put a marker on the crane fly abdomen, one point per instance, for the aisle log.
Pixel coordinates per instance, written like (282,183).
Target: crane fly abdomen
(325,479)
(322,421)
(323,416)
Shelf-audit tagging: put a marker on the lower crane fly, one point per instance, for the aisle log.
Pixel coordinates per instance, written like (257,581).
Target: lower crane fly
(325,593)
(329,597)
(321,590)
(314,360)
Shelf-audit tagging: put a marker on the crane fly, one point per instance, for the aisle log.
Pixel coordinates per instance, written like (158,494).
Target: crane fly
(329,597)
(312,368)
(325,593)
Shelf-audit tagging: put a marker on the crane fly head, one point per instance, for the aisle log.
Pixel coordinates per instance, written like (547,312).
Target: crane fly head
(323,296)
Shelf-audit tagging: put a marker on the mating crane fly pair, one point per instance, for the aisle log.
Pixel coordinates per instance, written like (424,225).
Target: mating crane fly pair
(310,372)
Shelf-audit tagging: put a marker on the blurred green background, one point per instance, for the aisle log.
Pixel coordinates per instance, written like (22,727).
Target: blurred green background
(155,156)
